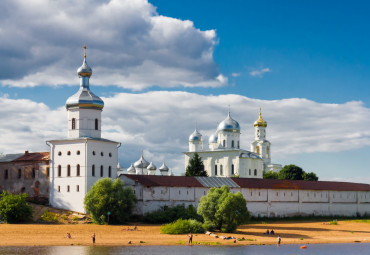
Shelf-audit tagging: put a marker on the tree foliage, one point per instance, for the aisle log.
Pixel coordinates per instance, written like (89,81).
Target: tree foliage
(169,214)
(14,208)
(223,210)
(291,172)
(110,196)
(195,166)
(181,226)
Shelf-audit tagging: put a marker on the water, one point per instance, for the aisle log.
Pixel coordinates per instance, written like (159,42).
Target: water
(314,249)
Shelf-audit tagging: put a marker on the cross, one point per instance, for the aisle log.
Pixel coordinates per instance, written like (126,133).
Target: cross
(85,48)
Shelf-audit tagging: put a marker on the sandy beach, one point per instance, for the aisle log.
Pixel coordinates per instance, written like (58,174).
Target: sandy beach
(290,232)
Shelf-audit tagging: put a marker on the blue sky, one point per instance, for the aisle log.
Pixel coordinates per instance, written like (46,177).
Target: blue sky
(305,63)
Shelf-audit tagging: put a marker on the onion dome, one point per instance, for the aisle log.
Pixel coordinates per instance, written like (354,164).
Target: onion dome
(84,98)
(195,136)
(151,167)
(141,163)
(260,122)
(164,168)
(131,169)
(213,138)
(229,124)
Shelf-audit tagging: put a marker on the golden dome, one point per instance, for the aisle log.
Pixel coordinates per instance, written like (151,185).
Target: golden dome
(260,122)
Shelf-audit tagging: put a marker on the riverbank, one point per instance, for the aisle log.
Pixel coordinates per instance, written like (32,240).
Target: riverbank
(290,232)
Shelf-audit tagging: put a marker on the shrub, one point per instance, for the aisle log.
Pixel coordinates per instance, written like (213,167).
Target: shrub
(49,216)
(182,227)
(169,214)
(14,208)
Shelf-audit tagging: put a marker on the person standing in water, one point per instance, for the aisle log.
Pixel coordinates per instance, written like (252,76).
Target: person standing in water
(279,240)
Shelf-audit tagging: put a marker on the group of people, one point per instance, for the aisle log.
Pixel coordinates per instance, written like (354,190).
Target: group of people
(272,232)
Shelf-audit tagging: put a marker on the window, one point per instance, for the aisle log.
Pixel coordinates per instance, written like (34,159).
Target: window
(215,169)
(223,143)
(68,153)
(78,152)
(110,171)
(59,171)
(255,172)
(19,173)
(101,171)
(59,153)
(6,174)
(110,154)
(68,189)
(250,173)
(58,188)
(238,145)
(47,172)
(23,189)
(33,173)
(257,150)
(232,144)
(93,170)
(221,170)
(93,153)
(73,123)
(102,154)
(78,188)
(69,170)
(78,170)
(96,124)
(232,169)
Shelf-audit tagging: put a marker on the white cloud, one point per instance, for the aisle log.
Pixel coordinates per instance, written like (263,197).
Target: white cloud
(130,45)
(259,72)
(235,74)
(160,123)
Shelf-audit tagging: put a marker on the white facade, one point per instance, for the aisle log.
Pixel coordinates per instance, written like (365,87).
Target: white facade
(224,158)
(77,162)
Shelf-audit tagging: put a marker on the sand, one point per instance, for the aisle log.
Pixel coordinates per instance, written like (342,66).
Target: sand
(291,233)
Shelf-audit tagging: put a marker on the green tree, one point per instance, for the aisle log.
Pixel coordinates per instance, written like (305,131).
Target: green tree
(14,208)
(270,175)
(195,167)
(109,196)
(291,172)
(223,210)
(310,177)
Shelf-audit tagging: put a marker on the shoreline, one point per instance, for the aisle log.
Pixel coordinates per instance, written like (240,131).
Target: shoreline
(148,235)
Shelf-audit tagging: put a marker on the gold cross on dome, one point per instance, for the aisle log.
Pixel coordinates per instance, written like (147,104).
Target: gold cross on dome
(85,48)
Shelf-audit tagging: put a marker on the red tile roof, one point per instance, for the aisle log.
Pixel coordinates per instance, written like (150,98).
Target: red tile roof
(33,156)
(165,181)
(183,181)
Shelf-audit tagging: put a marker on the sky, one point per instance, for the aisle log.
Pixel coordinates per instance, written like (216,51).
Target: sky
(163,67)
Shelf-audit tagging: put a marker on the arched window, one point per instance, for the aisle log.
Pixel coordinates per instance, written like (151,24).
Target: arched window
(267,152)
(110,171)
(59,153)
(68,153)
(232,169)
(69,170)
(96,124)
(257,150)
(6,174)
(232,144)
(223,143)
(73,123)
(93,170)
(221,170)
(47,172)
(19,173)
(238,145)
(78,152)
(101,171)
(78,170)
(255,172)
(215,169)
(59,171)
(250,173)
(33,173)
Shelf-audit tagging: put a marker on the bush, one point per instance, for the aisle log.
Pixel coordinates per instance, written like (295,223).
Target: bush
(169,214)
(14,208)
(182,227)
(49,216)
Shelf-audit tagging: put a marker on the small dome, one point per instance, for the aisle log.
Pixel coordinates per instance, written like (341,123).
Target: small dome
(84,70)
(260,122)
(213,138)
(229,124)
(195,136)
(131,169)
(151,167)
(141,163)
(164,168)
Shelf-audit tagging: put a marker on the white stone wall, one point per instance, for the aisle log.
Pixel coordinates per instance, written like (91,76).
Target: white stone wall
(85,123)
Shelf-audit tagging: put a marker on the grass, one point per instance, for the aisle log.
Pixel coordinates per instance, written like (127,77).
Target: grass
(49,216)
(333,222)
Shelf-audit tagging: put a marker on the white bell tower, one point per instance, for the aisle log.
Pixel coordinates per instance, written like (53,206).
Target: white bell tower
(260,145)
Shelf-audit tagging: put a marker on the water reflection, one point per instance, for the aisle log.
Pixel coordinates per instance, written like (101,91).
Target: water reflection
(317,249)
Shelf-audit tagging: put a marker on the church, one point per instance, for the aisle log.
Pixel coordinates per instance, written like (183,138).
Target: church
(225,158)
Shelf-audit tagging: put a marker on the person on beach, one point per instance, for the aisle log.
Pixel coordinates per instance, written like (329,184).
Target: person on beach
(68,235)
(190,239)
(93,238)
(279,240)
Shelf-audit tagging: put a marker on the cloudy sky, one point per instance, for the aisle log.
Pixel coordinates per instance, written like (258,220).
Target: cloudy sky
(163,66)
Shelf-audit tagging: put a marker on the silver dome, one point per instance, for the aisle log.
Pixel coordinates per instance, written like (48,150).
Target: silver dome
(151,166)
(141,163)
(164,168)
(213,138)
(195,136)
(229,124)
(84,70)
(131,169)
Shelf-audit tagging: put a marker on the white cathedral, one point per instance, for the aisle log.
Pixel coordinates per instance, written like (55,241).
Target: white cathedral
(224,158)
